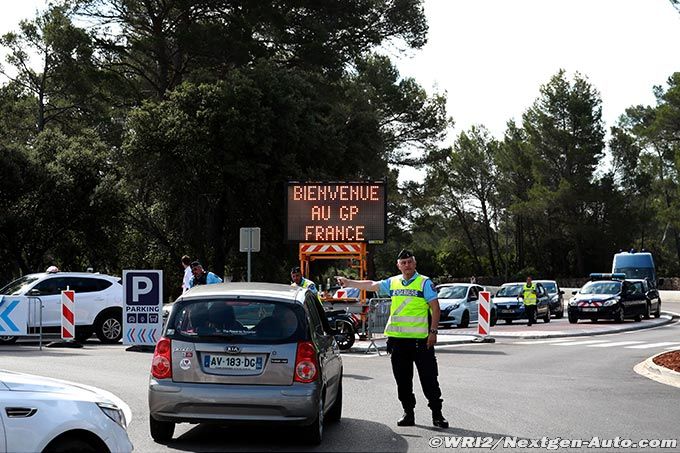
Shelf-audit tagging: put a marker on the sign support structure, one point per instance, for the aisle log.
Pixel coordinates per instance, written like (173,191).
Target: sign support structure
(249,241)
(484,318)
(68,322)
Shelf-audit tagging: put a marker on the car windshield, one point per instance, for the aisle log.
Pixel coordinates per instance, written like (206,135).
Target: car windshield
(509,291)
(601,288)
(550,287)
(242,321)
(635,272)
(452,292)
(18,286)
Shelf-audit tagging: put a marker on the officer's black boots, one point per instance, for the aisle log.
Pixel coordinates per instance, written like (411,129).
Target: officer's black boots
(408,419)
(438,420)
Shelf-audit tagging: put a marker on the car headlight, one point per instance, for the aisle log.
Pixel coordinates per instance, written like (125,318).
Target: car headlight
(114,413)
(610,302)
(455,306)
(573,302)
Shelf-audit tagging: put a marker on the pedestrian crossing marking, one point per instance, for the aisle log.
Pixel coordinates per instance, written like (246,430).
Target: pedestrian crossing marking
(561,340)
(579,343)
(611,345)
(630,344)
(652,345)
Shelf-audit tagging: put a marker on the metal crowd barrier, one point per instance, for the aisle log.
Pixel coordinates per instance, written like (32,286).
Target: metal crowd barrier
(35,309)
(378,315)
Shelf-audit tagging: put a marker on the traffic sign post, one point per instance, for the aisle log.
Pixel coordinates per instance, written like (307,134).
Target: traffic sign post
(249,241)
(68,319)
(68,322)
(484,318)
(143,305)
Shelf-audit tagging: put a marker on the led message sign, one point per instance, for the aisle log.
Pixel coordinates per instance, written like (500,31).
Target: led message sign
(336,212)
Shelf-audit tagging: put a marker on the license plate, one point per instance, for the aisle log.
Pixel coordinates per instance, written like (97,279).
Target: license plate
(507,311)
(232,362)
(589,309)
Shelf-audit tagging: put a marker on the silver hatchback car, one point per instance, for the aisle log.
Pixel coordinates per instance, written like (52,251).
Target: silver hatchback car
(245,352)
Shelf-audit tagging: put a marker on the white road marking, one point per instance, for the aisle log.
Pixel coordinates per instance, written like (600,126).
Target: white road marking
(561,340)
(611,345)
(578,343)
(652,345)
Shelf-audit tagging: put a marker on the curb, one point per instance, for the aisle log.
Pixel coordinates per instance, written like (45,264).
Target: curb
(661,374)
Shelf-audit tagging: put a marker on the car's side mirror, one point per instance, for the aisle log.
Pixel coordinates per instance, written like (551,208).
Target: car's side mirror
(574,292)
(561,292)
(33,292)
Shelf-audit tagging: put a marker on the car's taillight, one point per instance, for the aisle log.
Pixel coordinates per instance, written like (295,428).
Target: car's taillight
(306,365)
(161,366)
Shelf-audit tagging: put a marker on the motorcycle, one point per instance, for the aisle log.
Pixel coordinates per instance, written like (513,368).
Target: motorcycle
(346,326)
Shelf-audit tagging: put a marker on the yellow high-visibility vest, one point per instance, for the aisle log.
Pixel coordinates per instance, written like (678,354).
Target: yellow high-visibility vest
(529,293)
(409,309)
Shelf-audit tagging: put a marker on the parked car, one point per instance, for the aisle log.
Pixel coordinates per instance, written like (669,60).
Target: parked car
(510,307)
(613,296)
(459,304)
(245,352)
(556,297)
(98,307)
(50,415)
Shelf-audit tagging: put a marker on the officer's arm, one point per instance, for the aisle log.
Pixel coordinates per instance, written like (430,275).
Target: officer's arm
(434,315)
(368,285)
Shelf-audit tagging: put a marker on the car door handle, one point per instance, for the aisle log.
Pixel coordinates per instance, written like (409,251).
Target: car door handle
(99,299)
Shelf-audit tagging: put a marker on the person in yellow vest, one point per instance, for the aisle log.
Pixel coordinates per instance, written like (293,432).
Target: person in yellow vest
(299,280)
(411,335)
(529,297)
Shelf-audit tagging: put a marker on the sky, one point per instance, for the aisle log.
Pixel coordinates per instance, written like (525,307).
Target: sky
(492,56)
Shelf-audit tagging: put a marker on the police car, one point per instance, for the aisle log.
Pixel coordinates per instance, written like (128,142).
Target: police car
(613,296)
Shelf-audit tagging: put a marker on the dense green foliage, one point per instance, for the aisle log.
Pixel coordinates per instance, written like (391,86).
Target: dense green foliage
(161,128)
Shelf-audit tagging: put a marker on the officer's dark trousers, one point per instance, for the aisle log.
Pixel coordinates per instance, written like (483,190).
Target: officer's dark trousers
(531,313)
(406,352)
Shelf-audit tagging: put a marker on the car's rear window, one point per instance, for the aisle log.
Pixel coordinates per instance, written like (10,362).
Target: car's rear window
(242,321)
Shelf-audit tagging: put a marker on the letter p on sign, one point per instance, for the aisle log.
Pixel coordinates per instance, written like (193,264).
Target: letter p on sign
(140,286)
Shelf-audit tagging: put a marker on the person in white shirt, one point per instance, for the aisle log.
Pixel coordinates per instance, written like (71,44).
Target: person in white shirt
(186,261)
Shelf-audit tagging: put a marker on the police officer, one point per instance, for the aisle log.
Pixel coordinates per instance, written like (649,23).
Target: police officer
(299,280)
(529,296)
(411,335)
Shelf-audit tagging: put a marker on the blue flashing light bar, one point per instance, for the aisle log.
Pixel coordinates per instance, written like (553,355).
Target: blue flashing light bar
(617,276)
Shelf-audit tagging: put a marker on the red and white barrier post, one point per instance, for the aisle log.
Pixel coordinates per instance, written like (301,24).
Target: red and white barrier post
(484,318)
(68,318)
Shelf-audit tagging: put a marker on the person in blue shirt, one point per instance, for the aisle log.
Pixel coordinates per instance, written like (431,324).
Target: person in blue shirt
(201,276)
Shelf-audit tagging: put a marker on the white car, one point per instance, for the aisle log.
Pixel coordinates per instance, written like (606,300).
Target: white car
(98,303)
(40,414)
(459,304)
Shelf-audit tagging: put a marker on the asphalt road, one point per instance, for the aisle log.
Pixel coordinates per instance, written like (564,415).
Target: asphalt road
(526,388)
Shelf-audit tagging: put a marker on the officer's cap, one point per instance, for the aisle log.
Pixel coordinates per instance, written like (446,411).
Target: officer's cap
(404,254)
(195,263)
